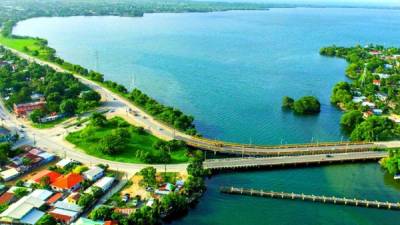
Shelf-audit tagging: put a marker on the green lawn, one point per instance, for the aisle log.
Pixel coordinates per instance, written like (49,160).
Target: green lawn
(27,45)
(138,141)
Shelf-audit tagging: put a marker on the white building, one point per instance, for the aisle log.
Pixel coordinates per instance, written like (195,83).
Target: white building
(93,173)
(42,194)
(9,174)
(64,162)
(25,209)
(104,183)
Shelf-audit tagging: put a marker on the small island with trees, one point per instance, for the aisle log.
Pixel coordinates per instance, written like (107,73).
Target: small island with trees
(304,105)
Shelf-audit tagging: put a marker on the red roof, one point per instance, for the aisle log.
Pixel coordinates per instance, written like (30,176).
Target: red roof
(54,198)
(6,198)
(376,81)
(68,181)
(111,222)
(46,173)
(60,217)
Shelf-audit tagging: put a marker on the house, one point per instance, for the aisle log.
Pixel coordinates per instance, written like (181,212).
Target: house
(359,99)
(52,176)
(368,104)
(37,97)
(367,114)
(381,96)
(57,196)
(41,194)
(377,112)
(5,135)
(85,221)
(388,66)
(376,82)
(7,198)
(111,222)
(68,206)
(63,216)
(26,108)
(47,157)
(124,211)
(104,183)
(93,173)
(32,217)
(73,198)
(9,174)
(69,182)
(24,210)
(382,75)
(375,52)
(395,118)
(64,162)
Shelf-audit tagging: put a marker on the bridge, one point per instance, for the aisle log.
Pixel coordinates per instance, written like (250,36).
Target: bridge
(279,150)
(282,161)
(311,198)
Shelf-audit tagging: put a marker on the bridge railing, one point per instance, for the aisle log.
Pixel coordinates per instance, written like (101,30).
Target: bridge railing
(220,144)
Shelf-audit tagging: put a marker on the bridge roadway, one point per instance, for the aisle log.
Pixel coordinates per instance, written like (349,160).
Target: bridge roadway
(312,198)
(280,150)
(252,162)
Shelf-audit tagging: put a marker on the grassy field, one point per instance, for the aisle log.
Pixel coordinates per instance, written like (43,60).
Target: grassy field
(31,46)
(138,141)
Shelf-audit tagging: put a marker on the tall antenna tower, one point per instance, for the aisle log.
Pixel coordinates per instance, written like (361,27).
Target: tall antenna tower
(96,55)
(132,84)
(364,75)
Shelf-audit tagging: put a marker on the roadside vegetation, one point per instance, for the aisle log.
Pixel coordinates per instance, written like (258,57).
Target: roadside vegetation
(25,82)
(371,100)
(117,140)
(392,163)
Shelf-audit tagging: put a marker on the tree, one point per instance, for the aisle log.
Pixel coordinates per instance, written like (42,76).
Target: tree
(91,96)
(149,176)
(20,192)
(350,120)
(112,144)
(36,115)
(101,213)
(307,105)
(85,200)
(68,106)
(98,120)
(5,148)
(122,132)
(46,220)
(374,128)
(341,93)
(287,102)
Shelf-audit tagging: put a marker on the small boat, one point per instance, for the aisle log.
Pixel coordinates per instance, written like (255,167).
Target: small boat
(397,176)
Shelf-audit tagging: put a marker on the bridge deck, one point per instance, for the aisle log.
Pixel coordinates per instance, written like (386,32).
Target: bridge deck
(282,150)
(312,198)
(242,163)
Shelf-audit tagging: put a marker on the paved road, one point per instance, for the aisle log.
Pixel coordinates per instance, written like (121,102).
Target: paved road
(291,160)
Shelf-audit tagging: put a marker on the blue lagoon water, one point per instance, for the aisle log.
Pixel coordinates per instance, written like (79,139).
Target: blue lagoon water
(228,69)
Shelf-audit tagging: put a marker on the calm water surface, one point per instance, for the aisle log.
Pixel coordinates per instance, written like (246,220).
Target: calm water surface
(230,70)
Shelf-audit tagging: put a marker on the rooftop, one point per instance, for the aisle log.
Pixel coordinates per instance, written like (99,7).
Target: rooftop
(67,181)
(45,173)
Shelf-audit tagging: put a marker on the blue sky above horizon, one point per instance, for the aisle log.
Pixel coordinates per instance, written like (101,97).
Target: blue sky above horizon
(328,2)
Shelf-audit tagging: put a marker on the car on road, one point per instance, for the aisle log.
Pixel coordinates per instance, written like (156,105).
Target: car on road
(329,156)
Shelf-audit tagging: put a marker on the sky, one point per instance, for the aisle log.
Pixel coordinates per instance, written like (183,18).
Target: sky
(329,2)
